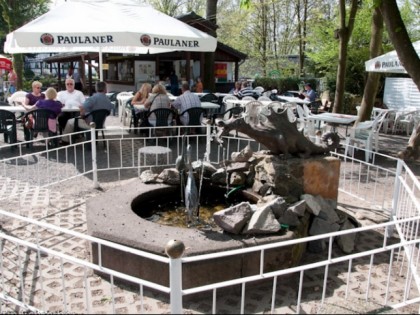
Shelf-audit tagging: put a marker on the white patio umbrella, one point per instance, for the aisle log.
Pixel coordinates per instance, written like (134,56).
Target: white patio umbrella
(103,26)
(389,62)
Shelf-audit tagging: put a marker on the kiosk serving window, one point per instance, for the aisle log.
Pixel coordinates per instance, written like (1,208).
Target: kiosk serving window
(121,71)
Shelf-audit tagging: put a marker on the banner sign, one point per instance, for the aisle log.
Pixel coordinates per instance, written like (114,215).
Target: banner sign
(220,72)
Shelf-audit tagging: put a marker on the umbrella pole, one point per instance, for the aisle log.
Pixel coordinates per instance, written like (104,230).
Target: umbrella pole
(101,76)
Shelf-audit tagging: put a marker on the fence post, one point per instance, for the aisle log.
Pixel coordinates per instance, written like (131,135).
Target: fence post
(395,195)
(93,147)
(208,140)
(174,249)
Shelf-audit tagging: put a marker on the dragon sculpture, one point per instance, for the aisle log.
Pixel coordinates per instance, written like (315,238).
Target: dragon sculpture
(276,129)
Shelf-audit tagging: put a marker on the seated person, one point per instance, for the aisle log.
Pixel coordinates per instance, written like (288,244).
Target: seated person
(36,94)
(199,85)
(235,90)
(98,101)
(246,90)
(185,101)
(142,94)
(48,103)
(158,99)
(70,98)
(309,94)
(140,98)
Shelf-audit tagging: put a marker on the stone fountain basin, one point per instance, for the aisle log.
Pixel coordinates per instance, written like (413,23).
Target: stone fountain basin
(110,216)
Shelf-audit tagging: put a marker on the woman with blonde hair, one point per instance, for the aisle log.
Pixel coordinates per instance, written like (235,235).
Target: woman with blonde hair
(142,95)
(36,94)
(138,101)
(158,99)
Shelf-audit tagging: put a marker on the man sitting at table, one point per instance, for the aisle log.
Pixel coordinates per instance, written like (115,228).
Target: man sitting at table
(98,101)
(309,94)
(246,90)
(70,98)
(185,101)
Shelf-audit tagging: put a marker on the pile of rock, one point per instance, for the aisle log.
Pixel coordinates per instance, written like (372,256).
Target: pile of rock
(288,192)
(272,214)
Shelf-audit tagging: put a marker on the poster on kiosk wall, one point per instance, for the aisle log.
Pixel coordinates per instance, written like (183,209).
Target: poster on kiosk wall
(144,72)
(220,72)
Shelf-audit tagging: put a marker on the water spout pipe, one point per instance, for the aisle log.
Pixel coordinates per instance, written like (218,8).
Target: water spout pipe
(233,190)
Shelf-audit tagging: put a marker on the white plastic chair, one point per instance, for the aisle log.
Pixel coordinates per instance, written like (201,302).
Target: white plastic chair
(308,125)
(306,110)
(229,97)
(252,112)
(405,121)
(122,99)
(365,134)
(266,93)
(311,125)
(302,119)
(17,98)
(259,90)
(389,120)
(278,107)
(228,105)
(263,98)
(248,98)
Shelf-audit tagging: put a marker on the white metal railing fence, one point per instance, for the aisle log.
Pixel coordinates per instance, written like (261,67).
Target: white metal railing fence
(39,273)
(38,276)
(44,166)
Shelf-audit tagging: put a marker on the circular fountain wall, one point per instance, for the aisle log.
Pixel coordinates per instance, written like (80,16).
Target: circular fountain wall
(111,216)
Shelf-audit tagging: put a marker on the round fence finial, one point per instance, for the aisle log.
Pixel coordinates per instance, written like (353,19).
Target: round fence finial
(92,125)
(174,249)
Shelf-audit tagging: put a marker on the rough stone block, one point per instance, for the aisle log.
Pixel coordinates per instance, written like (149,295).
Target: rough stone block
(233,219)
(321,177)
(261,222)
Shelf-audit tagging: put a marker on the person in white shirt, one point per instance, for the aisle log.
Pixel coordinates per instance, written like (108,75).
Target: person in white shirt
(97,101)
(70,98)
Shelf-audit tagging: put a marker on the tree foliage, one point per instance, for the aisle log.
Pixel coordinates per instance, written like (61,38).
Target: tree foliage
(18,12)
(178,7)
(169,7)
(14,14)
(268,31)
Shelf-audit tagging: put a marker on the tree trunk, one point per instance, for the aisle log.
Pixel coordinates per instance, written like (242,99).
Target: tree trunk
(302,35)
(344,34)
(276,133)
(264,44)
(274,38)
(18,67)
(400,39)
(372,81)
(300,38)
(410,60)
(208,79)
(412,151)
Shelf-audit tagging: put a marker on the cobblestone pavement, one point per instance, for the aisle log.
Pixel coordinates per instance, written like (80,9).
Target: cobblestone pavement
(65,206)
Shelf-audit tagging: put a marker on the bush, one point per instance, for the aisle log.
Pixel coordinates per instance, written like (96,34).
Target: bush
(281,84)
(46,80)
(285,84)
(349,103)
(28,74)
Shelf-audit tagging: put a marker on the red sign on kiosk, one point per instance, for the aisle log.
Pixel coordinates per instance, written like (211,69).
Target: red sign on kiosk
(220,72)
